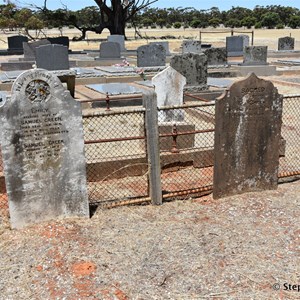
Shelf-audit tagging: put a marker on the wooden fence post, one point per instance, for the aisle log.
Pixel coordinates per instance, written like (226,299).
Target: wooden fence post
(152,140)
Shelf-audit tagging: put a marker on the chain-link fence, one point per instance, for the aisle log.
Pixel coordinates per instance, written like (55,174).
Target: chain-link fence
(290,163)
(117,160)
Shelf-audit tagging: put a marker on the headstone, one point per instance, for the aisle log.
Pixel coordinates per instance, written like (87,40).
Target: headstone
(151,55)
(168,86)
(52,57)
(110,50)
(286,43)
(117,38)
(60,40)
(193,67)
(247,137)
(190,46)
(43,151)
(235,44)
(216,56)
(165,45)
(16,42)
(30,49)
(255,55)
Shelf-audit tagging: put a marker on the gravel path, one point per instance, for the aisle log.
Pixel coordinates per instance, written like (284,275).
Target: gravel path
(234,248)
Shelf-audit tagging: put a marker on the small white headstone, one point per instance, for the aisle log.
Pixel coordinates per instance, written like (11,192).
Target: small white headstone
(168,86)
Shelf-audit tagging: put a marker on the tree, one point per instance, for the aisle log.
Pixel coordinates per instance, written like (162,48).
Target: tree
(112,17)
(294,22)
(248,22)
(270,20)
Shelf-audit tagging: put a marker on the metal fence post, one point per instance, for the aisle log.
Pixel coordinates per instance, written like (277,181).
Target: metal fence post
(152,140)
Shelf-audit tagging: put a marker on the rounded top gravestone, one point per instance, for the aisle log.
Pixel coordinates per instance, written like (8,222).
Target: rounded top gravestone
(43,150)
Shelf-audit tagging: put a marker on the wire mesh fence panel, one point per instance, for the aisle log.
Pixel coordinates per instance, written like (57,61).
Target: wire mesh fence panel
(116,156)
(187,148)
(290,163)
(3,194)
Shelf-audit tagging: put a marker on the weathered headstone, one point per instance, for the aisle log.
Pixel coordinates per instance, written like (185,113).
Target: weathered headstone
(190,46)
(151,55)
(15,43)
(247,137)
(193,67)
(52,57)
(235,44)
(165,45)
(110,50)
(168,86)
(60,40)
(286,43)
(117,38)
(43,151)
(30,49)
(255,55)
(216,56)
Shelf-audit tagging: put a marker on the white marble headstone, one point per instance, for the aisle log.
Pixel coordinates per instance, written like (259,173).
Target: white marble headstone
(168,86)
(43,151)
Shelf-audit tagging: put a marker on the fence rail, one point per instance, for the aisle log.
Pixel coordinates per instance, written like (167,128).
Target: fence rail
(118,159)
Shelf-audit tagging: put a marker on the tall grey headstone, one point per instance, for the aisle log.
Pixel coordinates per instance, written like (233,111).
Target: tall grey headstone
(117,38)
(110,50)
(52,57)
(165,45)
(286,43)
(30,49)
(16,42)
(193,67)
(247,137)
(255,55)
(235,45)
(151,55)
(168,85)
(191,46)
(216,56)
(43,151)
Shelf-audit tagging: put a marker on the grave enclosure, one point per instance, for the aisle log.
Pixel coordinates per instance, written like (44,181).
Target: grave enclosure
(153,152)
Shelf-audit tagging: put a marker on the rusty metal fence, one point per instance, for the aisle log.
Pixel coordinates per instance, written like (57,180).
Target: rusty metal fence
(116,153)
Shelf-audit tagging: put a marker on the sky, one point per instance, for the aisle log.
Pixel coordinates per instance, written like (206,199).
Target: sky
(198,4)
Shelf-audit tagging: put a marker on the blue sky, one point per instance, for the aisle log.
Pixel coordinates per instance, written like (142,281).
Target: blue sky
(222,5)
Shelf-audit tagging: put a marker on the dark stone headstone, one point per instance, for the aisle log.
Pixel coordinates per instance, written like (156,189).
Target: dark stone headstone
(255,55)
(151,55)
(216,56)
(235,44)
(110,50)
(52,57)
(16,42)
(286,43)
(30,49)
(60,40)
(43,151)
(193,67)
(247,137)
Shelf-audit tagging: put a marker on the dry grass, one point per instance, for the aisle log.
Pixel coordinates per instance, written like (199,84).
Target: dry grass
(262,37)
(234,248)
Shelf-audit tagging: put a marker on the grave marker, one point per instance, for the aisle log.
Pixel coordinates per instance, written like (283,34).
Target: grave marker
(43,151)
(117,38)
(216,56)
(193,67)
(235,44)
(151,55)
(190,46)
(255,55)
(15,43)
(247,137)
(30,49)
(52,57)
(110,50)
(286,43)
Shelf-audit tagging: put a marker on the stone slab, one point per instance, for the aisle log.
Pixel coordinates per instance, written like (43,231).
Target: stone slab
(151,55)
(255,55)
(286,43)
(43,151)
(220,82)
(115,88)
(117,38)
(247,138)
(110,50)
(191,46)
